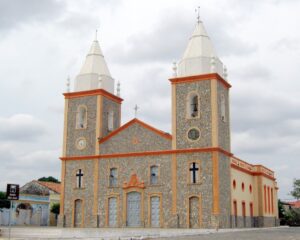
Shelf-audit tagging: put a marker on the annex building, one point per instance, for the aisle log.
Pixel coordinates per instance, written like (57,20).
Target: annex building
(134,175)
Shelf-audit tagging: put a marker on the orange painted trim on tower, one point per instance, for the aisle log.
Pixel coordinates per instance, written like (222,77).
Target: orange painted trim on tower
(252,173)
(154,153)
(202,77)
(215,173)
(93,93)
(133,121)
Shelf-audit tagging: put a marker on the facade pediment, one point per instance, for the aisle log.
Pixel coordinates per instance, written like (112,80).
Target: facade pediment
(135,136)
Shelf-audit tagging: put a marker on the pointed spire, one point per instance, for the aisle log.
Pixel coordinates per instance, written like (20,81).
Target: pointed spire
(94,67)
(196,59)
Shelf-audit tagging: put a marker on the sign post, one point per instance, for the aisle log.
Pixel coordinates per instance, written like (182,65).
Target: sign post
(12,193)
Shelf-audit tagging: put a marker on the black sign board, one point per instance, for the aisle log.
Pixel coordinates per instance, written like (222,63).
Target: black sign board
(12,192)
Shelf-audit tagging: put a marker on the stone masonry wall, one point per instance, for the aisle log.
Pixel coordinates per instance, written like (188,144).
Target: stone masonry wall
(224,191)
(89,133)
(224,126)
(107,106)
(135,138)
(86,193)
(186,189)
(141,166)
(203,123)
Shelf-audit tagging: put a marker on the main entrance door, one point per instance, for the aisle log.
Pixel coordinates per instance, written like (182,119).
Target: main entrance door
(112,212)
(155,211)
(133,209)
(78,213)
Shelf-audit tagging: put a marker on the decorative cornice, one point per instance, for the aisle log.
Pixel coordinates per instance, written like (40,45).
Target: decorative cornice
(93,93)
(202,77)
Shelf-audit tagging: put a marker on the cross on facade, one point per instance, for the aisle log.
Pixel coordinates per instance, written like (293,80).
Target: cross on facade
(194,169)
(79,175)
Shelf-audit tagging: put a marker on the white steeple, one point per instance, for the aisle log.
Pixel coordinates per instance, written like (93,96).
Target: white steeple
(94,71)
(198,55)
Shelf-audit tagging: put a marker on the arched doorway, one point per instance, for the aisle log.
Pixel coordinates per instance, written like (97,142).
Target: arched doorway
(78,213)
(133,209)
(194,212)
(23,214)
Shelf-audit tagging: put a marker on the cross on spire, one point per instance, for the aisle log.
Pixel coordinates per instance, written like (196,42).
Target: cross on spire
(197,10)
(194,170)
(79,175)
(136,108)
(96,34)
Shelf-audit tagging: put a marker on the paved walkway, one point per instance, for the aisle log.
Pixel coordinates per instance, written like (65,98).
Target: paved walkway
(258,234)
(33,233)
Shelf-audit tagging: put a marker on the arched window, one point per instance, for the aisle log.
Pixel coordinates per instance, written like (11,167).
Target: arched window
(223,108)
(113,177)
(243,186)
(250,188)
(153,174)
(234,184)
(110,120)
(79,178)
(193,105)
(81,118)
(194,172)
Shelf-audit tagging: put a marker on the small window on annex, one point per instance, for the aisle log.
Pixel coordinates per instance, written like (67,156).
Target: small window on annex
(113,177)
(193,105)
(81,117)
(153,175)
(194,172)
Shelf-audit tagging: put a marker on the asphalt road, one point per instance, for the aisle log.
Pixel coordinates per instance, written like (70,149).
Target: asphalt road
(259,234)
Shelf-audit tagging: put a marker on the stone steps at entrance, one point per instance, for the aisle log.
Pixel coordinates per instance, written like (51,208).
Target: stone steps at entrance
(104,233)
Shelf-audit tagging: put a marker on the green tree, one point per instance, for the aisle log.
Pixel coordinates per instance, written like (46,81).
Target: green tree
(4,203)
(296,189)
(49,179)
(55,208)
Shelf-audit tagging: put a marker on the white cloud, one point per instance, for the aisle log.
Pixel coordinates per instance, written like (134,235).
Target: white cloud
(21,127)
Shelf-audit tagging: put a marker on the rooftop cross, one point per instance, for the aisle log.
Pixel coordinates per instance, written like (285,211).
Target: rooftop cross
(96,33)
(197,10)
(136,108)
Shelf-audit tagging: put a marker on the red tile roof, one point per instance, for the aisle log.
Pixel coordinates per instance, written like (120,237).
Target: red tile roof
(51,185)
(295,204)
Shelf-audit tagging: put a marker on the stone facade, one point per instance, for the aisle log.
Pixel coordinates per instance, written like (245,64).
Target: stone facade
(184,123)
(109,179)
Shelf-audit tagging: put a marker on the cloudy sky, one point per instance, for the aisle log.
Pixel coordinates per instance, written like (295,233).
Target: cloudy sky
(42,42)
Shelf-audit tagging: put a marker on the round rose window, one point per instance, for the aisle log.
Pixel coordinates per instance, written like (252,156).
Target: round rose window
(193,134)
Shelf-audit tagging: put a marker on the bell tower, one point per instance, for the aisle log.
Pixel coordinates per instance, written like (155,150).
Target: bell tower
(200,96)
(92,110)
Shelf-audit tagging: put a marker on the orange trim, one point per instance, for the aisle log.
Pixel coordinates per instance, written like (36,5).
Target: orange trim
(252,173)
(265,198)
(154,153)
(133,121)
(92,93)
(215,173)
(202,77)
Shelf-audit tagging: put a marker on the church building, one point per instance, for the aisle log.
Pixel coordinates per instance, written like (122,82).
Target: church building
(134,175)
